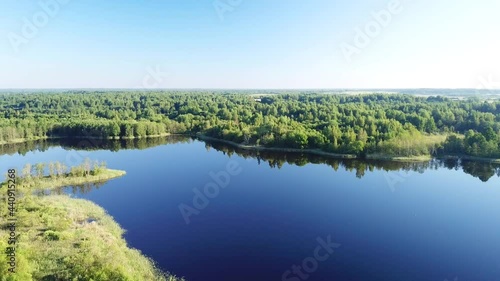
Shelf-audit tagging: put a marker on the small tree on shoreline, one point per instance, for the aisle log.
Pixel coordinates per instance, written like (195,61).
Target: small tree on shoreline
(52,170)
(40,168)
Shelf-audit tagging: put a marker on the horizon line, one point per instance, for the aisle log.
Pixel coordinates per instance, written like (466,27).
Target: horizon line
(245,89)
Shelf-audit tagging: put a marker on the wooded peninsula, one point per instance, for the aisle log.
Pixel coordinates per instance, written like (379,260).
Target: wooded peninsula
(392,126)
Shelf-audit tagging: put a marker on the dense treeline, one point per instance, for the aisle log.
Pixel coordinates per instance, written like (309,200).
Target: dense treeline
(393,125)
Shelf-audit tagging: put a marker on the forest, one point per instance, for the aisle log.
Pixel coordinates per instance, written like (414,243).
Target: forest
(392,125)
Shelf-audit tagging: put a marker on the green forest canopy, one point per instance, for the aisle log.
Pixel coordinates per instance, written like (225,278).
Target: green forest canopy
(389,124)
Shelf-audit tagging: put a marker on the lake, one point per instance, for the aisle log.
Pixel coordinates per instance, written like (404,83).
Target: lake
(209,212)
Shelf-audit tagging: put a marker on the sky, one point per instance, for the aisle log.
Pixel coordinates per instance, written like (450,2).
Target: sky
(249,44)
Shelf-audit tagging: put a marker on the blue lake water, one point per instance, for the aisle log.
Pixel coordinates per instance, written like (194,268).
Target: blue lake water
(383,221)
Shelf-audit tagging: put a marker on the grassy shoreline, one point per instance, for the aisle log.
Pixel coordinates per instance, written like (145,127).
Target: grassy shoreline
(64,238)
(420,158)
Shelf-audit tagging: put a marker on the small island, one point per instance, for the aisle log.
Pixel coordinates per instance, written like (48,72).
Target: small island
(34,177)
(57,237)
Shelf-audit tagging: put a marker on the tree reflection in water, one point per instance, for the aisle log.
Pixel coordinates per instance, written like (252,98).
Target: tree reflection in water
(482,170)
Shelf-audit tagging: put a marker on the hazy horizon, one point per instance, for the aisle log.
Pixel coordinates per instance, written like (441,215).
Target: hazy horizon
(250,45)
(255,89)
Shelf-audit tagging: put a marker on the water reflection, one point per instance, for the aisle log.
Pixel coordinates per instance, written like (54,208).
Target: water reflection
(480,170)
(483,171)
(89,144)
(72,189)
(80,189)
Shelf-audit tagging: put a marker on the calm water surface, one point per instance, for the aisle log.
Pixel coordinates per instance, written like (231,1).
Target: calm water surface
(406,222)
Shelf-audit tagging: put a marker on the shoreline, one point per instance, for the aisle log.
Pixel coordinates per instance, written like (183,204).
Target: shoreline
(73,220)
(471,158)
(278,149)
(23,140)
(48,183)
(420,158)
(318,152)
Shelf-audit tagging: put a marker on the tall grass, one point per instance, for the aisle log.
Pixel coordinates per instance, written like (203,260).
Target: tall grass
(62,238)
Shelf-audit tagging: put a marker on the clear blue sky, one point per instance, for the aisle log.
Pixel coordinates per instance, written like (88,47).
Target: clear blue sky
(257,44)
